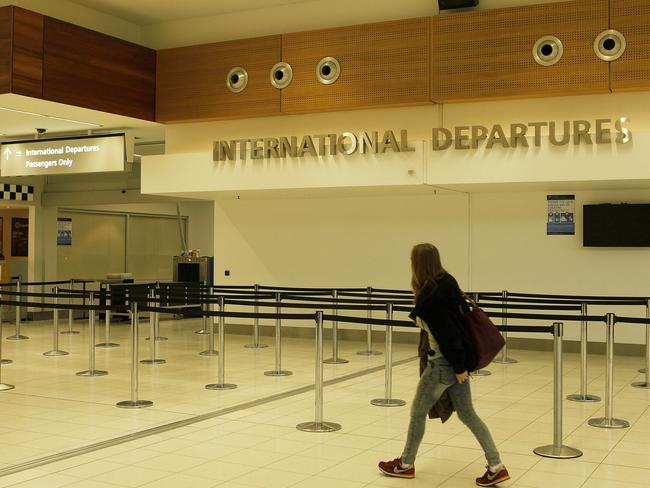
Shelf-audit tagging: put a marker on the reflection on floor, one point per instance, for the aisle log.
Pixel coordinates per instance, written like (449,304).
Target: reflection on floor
(52,410)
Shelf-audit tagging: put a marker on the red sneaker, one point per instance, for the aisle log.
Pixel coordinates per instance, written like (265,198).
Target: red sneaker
(396,469)
(491,479)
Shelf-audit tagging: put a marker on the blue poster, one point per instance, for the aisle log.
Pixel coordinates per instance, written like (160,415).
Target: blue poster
(561,212)
(64,232)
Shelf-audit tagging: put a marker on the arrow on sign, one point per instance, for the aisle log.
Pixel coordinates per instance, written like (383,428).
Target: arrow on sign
(7,153)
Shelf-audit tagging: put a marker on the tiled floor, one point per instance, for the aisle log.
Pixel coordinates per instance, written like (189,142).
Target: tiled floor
(52,409)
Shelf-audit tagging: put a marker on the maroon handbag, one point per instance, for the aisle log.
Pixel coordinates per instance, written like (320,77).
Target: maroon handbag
(486,338)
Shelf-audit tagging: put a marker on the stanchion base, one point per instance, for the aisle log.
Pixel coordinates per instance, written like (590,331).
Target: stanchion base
(220,386)
(106,345)
(318,427)
(641,384)
(335,361)
(278,373)
(6,361)
(505,361)
(387,402)
(70,332)
(17,337)
(153,361)
(158,338)
(642,370)
(577,397)
(92,372)
(605,423)
(132,404)
(370,353)
(256,346)
(209,353)
(55,353)
(482,372)
(202,331)
(6,386)
(562,452)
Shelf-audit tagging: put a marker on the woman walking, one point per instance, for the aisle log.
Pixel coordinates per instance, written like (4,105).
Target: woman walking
(439,305)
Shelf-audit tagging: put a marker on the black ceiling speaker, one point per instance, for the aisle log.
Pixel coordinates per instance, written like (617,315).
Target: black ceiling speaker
(451,4)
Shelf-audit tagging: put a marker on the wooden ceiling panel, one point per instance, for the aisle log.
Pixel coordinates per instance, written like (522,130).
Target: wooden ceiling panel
(631,71)
(6,34)
(487,54)
(191,81)
(382,64)
(27,76)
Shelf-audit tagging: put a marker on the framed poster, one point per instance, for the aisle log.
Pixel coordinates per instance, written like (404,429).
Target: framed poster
(64,231)
(19,236)
(560,215)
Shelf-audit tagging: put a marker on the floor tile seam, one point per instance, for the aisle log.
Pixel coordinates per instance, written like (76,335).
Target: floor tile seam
(189,421)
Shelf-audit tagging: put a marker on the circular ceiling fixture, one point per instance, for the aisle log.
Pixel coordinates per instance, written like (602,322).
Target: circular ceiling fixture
(609,45)
(328,70)
(237,79)
(548,50)
(281,75)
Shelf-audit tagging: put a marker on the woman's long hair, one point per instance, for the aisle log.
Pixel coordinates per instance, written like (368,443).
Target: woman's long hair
(426,267)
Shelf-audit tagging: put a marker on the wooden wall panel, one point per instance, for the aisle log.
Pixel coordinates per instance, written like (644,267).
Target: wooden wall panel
(6,34)
(92,70)
(191,81)
(27,75)
(382,64)
(487,54)
(632,70)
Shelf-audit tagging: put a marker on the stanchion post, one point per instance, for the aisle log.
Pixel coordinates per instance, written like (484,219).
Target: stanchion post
(278,371)
(557,450)
(608,421)
(222,385)
(504,359)
(210,351)
(70,311)
(369,351)
(318,425)
(17,335)
(55,328)
(583,396)
(204,322)
(388,400)
(134,402)
(256,325)
(107,321)
(2,360)
(152,333)
(3,386)
(646,382)
(91,371)
(335,359)
(480,372)
(157,317)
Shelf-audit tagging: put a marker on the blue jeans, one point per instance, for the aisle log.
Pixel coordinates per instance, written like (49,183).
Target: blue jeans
(438,377)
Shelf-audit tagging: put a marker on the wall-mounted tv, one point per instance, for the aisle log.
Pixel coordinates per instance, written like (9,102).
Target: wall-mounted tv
(616,225)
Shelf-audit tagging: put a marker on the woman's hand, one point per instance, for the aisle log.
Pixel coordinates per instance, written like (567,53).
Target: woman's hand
(462,377)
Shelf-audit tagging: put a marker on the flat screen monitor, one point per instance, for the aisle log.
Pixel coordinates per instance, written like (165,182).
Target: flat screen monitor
(616,225)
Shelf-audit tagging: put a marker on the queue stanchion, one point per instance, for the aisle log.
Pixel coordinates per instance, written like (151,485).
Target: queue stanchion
(91,371)
(256,325)
(318,425)
(3,386)
(17,335)
(222,385)
(608,421)
(646,382)
(204,317)
(369,351)
(55,329)
(158,336)
(557,450)
(583,396)
(134,402)
(152,332)
(335,359)
(388,400)
(504,359)
(278,371)
(210,351)
(107,321)
(479,372)
(70,312)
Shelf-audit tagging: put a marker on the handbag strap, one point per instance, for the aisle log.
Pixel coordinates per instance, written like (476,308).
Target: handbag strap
(469,299)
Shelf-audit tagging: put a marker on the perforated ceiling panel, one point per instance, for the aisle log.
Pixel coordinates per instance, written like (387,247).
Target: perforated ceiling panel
(488,54)
(632,70)
(384,64)
(191,81)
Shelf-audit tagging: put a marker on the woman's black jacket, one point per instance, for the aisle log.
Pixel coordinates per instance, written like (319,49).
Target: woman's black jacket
(441,306)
